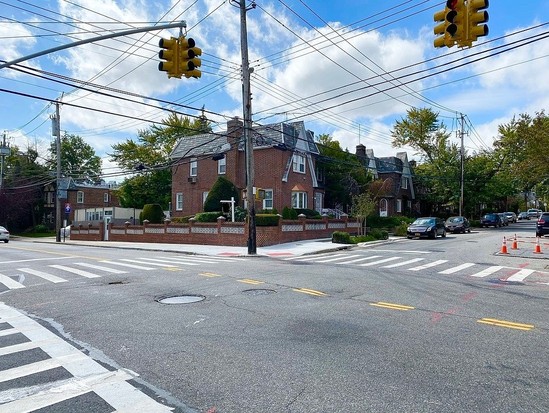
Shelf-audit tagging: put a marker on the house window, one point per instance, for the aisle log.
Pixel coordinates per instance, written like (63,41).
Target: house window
(399,205)
(383,207)
(299,200)
(319,201)
(194,167)
(222,166)
(299,163)
(268,201)
(106,197)
(204,196)
(50,199)
(404,182)
(179,201)
(80,197)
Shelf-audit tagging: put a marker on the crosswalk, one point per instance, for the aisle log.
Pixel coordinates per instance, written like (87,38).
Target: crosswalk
(418,264)
(60,273)
(70,377)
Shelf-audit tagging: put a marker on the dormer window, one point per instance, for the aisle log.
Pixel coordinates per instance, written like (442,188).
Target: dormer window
(298,163)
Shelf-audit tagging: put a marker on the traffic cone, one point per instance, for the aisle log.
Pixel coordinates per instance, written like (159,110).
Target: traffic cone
(504,247)
(514,246)
(537,250)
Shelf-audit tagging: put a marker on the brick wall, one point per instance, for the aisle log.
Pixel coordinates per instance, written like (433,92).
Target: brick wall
(220,233)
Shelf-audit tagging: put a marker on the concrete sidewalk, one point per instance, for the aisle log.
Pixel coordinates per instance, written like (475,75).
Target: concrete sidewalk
(288,249)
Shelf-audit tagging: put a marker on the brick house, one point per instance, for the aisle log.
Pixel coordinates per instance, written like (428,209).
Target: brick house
(399,197)
(78,196)
(284,166)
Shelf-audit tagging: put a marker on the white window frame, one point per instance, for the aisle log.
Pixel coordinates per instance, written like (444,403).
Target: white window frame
(222,166)
(193,167)
(80,197)
(299,199)
(204,196)
(179,201)
(399,205)
(404,182)
(106,197)
(298,163)
(268,200)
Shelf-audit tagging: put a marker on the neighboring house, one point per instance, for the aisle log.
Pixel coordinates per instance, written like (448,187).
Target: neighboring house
(400,197)
(284,166)
(74,196)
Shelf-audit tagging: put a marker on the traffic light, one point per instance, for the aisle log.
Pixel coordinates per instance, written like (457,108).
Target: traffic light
(188,53)
(476,17)
(170,54)
(452,23)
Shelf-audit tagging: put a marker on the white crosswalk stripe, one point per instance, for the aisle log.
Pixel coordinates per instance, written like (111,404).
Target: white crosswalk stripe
(156,264)
(125,264)
(458,268)
(10,282)
(403,263)
(75,271)
(371,257)
(100,268)
(49,277)
(383,261)
(520,275)
(338,258)
(428,265)
(167,264)
(488,271)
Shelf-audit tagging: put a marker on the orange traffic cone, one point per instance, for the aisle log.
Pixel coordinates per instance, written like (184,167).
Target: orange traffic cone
(504,247)
(537,250)
(514,246)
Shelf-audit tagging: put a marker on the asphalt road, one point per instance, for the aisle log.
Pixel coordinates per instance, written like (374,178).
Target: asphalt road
(338,332)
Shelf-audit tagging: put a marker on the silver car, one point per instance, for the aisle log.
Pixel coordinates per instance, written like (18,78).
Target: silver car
(4,234)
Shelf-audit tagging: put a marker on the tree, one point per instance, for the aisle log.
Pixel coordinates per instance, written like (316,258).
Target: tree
(78,159)
(439,171)
(150,156)
(344,175)
(364,205)
(222,190)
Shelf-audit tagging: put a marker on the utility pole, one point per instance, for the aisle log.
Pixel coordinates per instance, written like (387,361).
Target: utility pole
(4,151)
(57,132)
(248,138)
(462,153)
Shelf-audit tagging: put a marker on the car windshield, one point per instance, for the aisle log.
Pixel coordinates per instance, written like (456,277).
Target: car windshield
(490,216)
(455,219)
(424,221)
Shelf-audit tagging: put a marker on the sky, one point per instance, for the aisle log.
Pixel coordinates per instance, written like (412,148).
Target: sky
(350,69)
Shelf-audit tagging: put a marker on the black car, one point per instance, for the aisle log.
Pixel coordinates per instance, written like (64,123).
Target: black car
(458,224)
(491,220)
(542,226)
(426,227)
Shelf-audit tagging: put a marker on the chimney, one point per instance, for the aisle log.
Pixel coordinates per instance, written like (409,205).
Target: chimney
(361,151)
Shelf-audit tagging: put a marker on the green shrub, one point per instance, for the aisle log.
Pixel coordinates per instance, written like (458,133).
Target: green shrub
(240,214)
(289,213)
(401,230)
(222,190)
(377,233)
(309,213)
(341,237)
(153,213)
(182,220)
(266,220)
(362,238)
(40,229)
(208,216)
(269,211)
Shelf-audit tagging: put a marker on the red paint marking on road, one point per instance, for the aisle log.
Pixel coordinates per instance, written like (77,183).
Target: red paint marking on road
(278,254)
(212,410)
(469,296)
(524,265)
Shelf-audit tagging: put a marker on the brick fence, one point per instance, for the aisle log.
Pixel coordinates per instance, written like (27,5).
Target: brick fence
(221,233)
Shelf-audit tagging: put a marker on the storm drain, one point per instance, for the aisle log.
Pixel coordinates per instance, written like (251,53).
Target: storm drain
(181,299)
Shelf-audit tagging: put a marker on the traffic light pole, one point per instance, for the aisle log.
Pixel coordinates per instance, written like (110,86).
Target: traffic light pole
(248,138)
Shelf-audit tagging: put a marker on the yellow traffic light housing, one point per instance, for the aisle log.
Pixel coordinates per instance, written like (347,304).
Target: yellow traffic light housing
(189,61)
(170,54)
(452,23)
(441,38)
(477,16)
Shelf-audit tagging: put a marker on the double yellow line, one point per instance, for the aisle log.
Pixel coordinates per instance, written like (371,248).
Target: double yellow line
(310,292)
(392,306)
(507,324)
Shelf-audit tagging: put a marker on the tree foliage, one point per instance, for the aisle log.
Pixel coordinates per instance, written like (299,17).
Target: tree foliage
(78,159)
(222,190)
(150,156)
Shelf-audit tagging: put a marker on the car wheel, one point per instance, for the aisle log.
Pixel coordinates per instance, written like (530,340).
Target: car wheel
(469,230)
(444,234)
(6,241)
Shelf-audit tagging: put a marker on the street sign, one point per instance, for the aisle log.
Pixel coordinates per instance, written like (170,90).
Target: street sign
(67,208)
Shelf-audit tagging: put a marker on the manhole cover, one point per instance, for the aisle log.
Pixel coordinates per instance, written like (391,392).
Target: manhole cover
(258,291)
(181,299)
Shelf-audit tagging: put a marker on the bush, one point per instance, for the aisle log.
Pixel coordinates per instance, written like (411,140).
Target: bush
(377,233)
(341,237)
(363,238)
(269,211)
(401,230)
(309,213)
(222,190)
(289,213)
(182,220)
(40,229)
(208,216)
(267,220)
(153,213)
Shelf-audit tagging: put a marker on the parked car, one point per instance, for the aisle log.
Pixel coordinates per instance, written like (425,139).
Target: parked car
(511,217)
(427,227)
(458,224)
(490,220)
(523,215)
(534,213)
(4,234)
(542,226)
(504,220)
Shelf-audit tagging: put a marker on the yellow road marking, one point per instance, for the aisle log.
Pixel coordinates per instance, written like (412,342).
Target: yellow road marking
(392,306)
(173,269)
(508,324)
(250,281)
(210,274)
(310,292)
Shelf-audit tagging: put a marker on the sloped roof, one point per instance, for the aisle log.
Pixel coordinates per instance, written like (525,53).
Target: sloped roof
(389,164)
(292,136)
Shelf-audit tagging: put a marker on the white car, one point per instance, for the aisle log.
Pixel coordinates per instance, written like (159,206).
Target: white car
(4,234)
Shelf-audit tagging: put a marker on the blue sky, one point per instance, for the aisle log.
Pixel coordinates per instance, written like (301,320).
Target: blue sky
(344,68)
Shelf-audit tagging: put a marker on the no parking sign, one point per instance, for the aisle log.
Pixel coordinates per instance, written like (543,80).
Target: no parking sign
(67,208)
